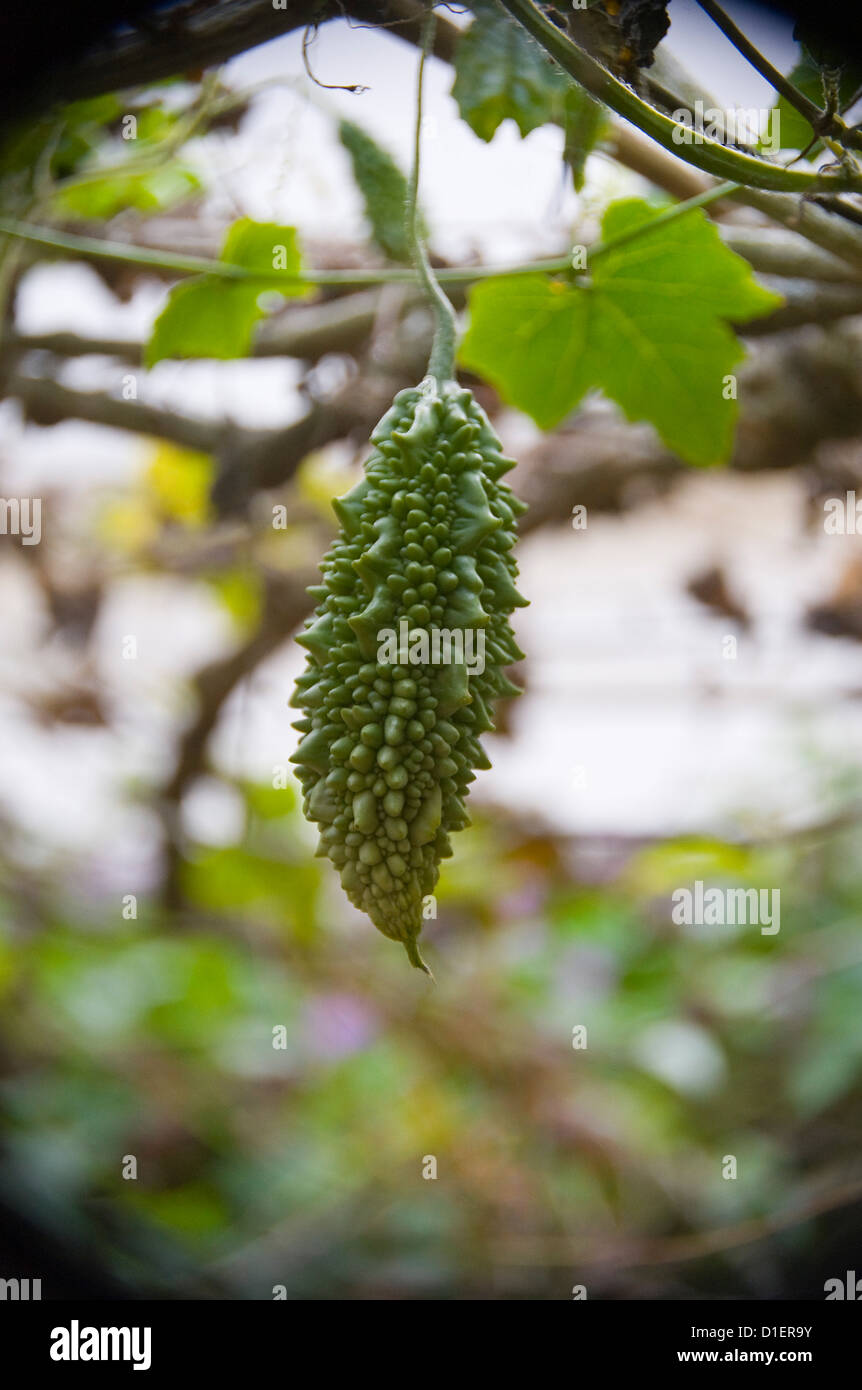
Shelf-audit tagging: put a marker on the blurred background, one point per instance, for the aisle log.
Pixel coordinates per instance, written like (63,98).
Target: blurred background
(217,1079)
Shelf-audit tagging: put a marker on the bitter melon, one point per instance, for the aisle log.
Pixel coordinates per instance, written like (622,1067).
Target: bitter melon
(390,748)
(410,637)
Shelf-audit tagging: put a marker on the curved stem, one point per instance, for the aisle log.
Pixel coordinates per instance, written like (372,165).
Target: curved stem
(721,160)
(441,363)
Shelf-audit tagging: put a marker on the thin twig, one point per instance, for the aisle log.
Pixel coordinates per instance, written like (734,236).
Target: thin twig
(791,93)
(308,38)
(97,249)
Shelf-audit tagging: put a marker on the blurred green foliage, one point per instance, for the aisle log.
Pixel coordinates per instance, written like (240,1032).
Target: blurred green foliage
(281,1078)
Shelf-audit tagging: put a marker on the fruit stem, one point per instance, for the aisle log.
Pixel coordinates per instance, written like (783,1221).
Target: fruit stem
(441,363)
(414,957)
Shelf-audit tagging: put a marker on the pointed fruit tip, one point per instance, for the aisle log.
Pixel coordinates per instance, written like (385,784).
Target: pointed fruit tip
(415,959)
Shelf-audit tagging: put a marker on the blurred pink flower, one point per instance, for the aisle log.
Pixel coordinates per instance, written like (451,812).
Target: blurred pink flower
(337,1025)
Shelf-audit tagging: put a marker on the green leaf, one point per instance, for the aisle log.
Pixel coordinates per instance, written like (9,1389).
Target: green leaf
(528,336)
(92,111)
(383,188)
(155,191)
(180,482)
(264,246)
(583,123)
(240,593)
(268,802)
(660,868)
(794,132)
(649,331)
(154,125)
(205,318)
(831,1061)
(684,261)
(193,1211)
(501,73)
(208,317)
(224,879)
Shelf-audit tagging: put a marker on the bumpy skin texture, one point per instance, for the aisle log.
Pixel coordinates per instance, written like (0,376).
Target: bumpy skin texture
(389,750)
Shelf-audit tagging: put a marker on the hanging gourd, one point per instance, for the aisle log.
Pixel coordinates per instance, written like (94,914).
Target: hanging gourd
(410,638)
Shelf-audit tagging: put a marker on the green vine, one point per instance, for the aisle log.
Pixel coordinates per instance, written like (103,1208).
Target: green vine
(441,363)
(95,248)
(714,158)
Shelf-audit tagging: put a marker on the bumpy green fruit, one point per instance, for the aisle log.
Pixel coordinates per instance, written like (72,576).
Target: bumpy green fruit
(422,565)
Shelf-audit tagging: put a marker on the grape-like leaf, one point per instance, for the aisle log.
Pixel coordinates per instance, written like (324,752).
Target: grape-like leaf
(500,72)
(650,329)
(211,317)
